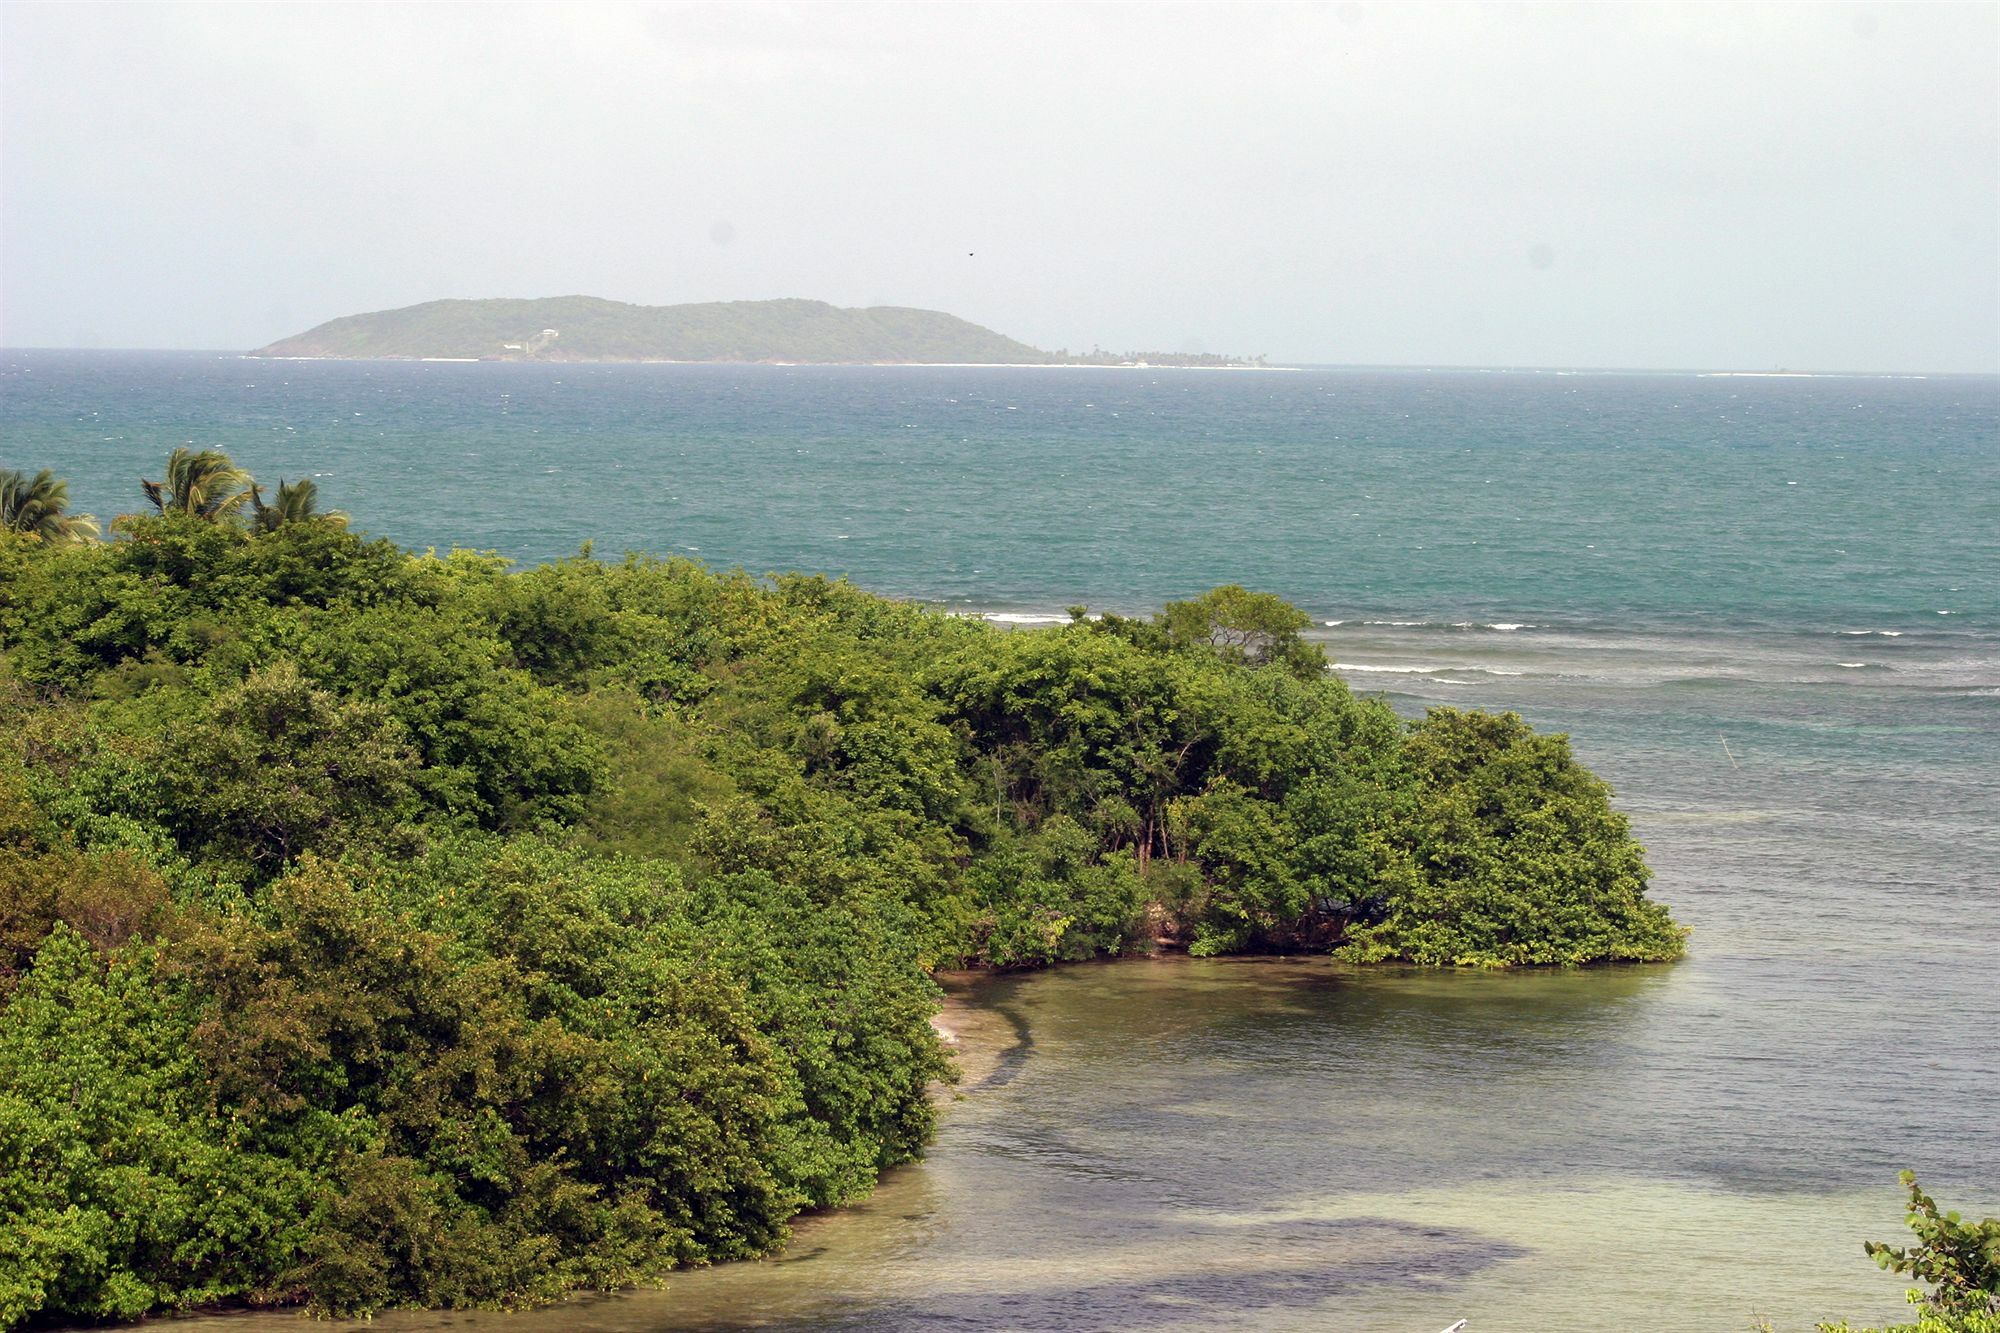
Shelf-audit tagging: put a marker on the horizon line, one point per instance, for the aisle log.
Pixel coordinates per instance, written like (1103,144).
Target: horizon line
(1438,367)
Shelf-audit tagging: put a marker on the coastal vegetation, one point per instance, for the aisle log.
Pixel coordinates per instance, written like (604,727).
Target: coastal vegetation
(37,507)
(588,328)
(1097,356)
(380,928)
(1956,1261)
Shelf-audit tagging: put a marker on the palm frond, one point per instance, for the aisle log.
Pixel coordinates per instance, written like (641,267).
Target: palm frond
(295,502)
(203,484)
(38,506)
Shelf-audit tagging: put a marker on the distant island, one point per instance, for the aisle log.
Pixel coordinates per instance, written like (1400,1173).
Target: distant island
(589,328)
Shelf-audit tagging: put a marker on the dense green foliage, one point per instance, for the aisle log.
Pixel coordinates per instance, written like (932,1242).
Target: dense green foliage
(588,328)
(383,929)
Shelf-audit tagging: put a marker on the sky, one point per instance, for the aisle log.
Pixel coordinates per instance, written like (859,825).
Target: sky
(1801,186)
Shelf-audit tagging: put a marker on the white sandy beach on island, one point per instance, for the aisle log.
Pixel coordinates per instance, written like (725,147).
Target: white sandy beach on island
(1001,365)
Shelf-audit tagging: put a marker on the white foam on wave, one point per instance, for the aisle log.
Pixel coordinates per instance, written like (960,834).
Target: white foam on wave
(1884,633)
(1504,626)
(1331,623)
(1022,618)
(1395,670)
(1851,665)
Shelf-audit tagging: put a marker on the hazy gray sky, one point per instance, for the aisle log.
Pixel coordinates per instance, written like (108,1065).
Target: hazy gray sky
(1810,186)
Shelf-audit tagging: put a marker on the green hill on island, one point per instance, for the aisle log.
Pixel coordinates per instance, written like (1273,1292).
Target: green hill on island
(588,328)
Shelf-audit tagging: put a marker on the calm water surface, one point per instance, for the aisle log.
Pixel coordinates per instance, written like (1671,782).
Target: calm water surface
(1767,610)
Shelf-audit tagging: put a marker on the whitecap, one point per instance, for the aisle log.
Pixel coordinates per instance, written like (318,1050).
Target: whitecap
(1331,623)
(1397,670)
(1509,625)
(1022,618)
(1850,665)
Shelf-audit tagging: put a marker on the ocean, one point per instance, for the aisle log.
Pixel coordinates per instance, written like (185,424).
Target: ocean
(1767,609)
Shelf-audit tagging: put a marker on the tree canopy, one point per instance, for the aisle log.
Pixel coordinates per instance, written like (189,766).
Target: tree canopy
(380,928)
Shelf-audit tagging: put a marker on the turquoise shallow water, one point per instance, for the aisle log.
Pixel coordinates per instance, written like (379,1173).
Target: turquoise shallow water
(1767,609)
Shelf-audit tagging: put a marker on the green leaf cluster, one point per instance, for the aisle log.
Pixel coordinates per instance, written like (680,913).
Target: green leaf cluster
(1958,1263)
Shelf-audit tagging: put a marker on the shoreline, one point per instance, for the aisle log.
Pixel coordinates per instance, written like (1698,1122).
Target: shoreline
(670,361)
(977,1035)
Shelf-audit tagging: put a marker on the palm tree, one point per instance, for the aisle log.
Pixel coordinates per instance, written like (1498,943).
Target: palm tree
(38,506)
(295,503)
(204,485)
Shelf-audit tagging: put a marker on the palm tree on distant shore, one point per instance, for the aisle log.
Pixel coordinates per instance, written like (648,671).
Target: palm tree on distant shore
(204,485)
(295,502)
(38,506)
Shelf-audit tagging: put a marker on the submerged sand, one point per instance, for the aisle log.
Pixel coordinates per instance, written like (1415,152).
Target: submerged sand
(977,1036)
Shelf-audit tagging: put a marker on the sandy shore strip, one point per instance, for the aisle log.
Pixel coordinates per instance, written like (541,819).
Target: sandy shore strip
(977,1035)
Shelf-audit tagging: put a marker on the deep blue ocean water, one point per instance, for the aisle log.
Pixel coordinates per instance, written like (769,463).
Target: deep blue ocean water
(1767,609)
